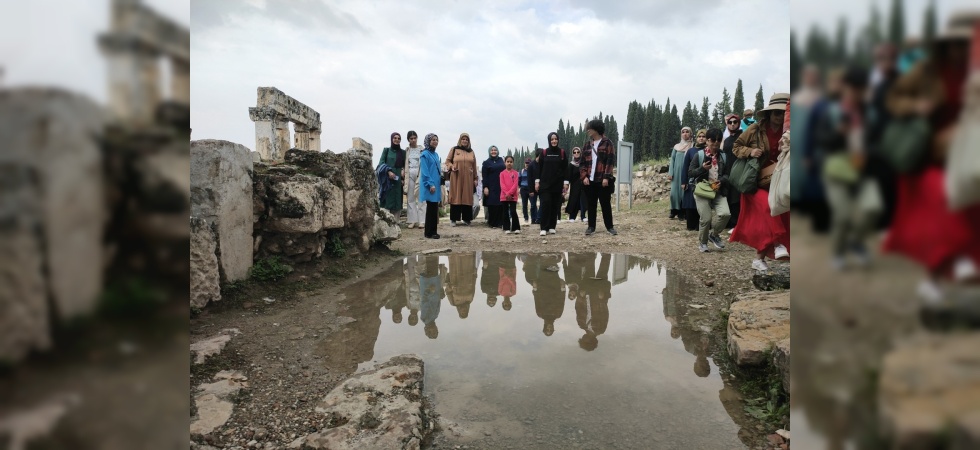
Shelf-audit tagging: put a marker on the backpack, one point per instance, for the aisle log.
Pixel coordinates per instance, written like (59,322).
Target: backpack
(724,158)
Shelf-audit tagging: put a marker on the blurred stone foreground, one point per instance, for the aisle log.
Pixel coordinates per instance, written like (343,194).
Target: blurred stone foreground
(93,211)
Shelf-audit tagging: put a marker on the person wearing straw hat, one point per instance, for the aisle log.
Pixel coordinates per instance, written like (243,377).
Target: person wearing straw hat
(924,228)
(768,235)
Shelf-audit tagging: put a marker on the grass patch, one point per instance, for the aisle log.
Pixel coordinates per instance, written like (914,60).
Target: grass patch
(130,297)
(269,269)
(336,247)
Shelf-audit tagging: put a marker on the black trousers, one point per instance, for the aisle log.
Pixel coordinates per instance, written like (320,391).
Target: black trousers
(733,208)
(550,209)
(511,221)
(595,193)
(496,215)
(431,218)
(461,212)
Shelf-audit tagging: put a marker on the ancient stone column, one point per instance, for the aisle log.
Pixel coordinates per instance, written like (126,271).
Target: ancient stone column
(282,137)
(302,136)
(180,81)
(315,140)
(134,79)
(267,124)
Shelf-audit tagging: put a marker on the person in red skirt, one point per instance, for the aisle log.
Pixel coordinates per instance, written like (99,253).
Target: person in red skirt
(924,228)
(768,235)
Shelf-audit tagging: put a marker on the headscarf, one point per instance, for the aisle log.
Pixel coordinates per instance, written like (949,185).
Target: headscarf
(400,154)
(459,143)
(683,145)
(428,140)
(576,160)
(549,140)
(490,151)
(702,145)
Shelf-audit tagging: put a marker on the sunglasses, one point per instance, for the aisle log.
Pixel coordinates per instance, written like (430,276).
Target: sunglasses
(732,121)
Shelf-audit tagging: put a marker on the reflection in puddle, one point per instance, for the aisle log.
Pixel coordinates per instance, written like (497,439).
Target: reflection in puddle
(582,351)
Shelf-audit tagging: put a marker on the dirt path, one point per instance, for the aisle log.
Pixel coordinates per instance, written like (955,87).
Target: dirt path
(292,355)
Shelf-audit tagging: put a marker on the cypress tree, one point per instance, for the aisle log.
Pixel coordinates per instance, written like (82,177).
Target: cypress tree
(896,26)
(760,101)
(738,104)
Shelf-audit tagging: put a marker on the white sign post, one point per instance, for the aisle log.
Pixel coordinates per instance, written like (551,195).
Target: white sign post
(624,170)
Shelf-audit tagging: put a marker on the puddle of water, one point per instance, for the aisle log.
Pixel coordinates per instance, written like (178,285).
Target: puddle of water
(548,350)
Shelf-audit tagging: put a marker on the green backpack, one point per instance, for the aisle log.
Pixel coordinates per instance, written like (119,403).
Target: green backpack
(905,144)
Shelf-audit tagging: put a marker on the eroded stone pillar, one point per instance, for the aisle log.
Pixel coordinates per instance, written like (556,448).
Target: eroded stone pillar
(268,124)
(315,140)
(134,79)
(302,136)
(180,81)
(282,137)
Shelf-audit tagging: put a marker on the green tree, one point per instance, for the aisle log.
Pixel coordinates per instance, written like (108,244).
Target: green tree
(896,23)
(930,23)
(704,118)
(760,101)
(840,44)
(795,68)
(738,103)
(875,35)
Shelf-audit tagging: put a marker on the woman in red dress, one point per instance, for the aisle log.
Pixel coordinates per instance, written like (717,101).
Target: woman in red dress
(757,228)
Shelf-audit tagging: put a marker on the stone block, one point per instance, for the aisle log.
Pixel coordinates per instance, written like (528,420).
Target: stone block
(756,323)
(205,278)
(55,135)
(386,227)
(221,194)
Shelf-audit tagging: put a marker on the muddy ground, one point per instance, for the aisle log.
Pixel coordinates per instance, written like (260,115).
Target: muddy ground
(289,369)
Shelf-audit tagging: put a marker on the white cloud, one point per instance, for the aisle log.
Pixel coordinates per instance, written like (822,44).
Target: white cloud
(734,58)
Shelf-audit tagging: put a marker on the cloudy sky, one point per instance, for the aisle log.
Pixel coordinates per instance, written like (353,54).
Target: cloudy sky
(53,42)
(504,71)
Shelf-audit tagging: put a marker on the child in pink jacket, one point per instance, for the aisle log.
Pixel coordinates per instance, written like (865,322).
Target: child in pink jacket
(509,193)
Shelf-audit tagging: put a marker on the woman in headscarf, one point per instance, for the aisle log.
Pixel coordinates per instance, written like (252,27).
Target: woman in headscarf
(576,200)
(491,187)
(676,169)
(394,157)
(415,208)
(690,207)
(757,228)
(463,177)
(550,183)
(430,185)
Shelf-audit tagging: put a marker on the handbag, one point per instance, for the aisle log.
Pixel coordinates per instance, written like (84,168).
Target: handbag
(838,167)
(744,176)
(765,175)
(779,192)
(905,143)
(703,190)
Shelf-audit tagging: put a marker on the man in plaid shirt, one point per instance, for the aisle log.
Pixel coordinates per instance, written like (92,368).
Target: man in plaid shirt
(598,174)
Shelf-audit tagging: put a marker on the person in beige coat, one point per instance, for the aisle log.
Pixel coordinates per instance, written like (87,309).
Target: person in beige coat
(463,178)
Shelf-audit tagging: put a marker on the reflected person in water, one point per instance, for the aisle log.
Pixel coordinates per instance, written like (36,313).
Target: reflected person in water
(549,292)
(507,286)
(431,287)
(592,301)
(461,283)
(412,266)
(490,279)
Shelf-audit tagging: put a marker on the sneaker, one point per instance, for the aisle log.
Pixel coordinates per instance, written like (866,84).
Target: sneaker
(552,231)
(703,248)
(433,236)
(410,226)
(781,252)
(507,232)
(466,224)
(964,269)
(452,223)
(589,231)
(543,233)
(929,292)
(584,220)
(716,241)
(612,231)
(760,265)
(517,231)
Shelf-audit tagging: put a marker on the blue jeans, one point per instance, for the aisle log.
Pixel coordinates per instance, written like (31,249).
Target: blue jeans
(525,197)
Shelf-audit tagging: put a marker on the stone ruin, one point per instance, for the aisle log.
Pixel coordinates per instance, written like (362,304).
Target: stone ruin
(92,196)
(272,114)
(296,204)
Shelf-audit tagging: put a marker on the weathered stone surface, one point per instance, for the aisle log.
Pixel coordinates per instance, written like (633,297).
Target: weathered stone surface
(756,322)
(927,383)
(386,228)
(305,204)
(23,296)
(381,408)
(54,134)
(780,359)
(206,348)
(214,402)
(205,280)
(221,193)
(777,277)
(19,428)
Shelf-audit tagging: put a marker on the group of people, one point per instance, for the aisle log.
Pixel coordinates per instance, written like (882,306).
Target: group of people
(709,156)
(585,179)
(850,180)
